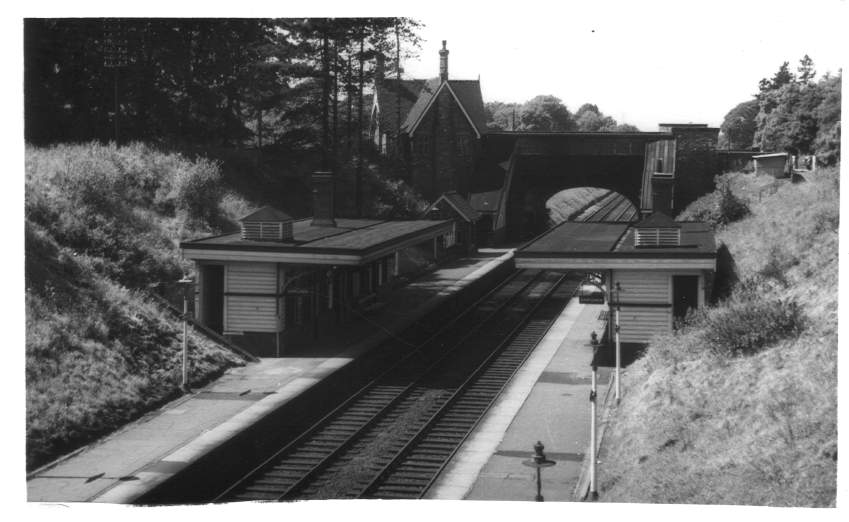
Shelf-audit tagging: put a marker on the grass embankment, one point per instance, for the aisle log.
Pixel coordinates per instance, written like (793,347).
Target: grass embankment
(102,224)
(740,405)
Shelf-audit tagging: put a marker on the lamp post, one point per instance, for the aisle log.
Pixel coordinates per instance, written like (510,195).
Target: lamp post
(539,461)
(618,344)
(186,281)
(593,443)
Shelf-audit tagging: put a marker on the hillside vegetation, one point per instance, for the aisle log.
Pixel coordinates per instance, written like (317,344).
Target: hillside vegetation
(739,406)
(102,225)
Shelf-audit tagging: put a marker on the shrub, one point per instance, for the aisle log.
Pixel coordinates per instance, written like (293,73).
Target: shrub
(729,208)
(197,190)
(749,322)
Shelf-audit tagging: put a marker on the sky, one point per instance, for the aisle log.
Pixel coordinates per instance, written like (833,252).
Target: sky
(641,62)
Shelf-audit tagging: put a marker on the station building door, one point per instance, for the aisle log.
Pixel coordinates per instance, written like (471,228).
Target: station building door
(685,294)
(213,297)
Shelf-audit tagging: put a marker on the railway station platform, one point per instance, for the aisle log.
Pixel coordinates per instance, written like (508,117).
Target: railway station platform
(547,401)
(130,462)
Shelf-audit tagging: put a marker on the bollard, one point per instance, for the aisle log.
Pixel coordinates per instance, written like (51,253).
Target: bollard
(539,461)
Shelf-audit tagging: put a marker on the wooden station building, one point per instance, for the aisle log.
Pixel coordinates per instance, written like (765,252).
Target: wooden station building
(662,267)
(280,279)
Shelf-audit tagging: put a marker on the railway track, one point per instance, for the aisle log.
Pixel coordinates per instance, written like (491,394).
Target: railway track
(397,422)
(613,207)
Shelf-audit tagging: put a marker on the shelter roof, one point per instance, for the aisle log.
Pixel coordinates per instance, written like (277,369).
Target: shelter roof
(609,239)
(354,236)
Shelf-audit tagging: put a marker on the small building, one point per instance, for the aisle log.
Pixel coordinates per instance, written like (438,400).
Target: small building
(661,267)
(279,279)
(775,164)
(465,233)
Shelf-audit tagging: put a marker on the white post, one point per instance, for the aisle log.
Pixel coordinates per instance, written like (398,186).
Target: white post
(397,269)
(618,348)
(186,282)
(593,444)
(435,248)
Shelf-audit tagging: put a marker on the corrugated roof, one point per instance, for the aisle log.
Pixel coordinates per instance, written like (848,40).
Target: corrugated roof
(267,213)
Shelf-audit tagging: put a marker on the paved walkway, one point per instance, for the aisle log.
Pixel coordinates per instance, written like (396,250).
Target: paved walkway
(547,401)
(124,465)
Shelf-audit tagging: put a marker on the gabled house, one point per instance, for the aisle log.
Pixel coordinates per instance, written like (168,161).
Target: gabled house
(433,126)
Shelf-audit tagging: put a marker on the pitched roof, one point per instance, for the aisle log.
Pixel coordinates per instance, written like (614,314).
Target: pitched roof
(386,95)
(460,204)
(267,213)
(467,94)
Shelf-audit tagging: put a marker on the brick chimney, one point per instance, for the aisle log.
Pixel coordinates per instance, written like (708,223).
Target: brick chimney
(322,199)
(443,63)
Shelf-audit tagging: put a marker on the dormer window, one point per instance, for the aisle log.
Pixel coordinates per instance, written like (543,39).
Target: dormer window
(267,224)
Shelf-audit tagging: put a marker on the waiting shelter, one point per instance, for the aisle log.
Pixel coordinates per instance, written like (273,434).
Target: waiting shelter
(465,233)
(655,270)
(279,277)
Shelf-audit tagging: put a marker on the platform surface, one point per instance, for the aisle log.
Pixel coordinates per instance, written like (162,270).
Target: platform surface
(547,401)
(129,462)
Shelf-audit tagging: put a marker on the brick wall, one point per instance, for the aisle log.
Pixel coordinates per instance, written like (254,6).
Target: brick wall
(442,150)
(696,163)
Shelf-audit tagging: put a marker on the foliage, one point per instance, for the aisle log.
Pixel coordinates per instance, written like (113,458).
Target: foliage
(103,224)
(748,322)
(739,406)
(547,113)
(394,199)
(738,126)
(721,207)
(800,115)
(196,81)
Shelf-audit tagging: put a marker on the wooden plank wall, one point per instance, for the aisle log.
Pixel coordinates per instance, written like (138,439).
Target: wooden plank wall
(250,313)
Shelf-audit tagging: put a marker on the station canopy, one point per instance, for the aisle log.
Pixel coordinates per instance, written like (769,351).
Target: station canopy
(608,245)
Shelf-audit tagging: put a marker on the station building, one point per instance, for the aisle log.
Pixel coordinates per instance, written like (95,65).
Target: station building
(281,279)
(661,267)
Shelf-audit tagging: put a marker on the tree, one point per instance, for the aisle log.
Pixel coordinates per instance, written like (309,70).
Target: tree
(738,127)
(806,70)
(546,113)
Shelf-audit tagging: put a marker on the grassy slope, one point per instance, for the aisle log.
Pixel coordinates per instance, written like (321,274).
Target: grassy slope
(698,425)
(101,221)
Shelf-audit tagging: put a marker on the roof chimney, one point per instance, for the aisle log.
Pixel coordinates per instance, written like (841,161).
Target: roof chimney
(378,68)
(443,63)
(322,199)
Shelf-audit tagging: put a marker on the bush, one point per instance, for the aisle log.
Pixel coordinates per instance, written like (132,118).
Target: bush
(729,208)
(197,190)
(749,322)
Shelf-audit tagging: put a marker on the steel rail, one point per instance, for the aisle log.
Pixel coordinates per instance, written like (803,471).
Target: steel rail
(483,402)
(361,393)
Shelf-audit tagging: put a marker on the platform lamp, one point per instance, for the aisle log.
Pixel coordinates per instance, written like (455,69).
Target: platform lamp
(593,495)
(616,310)
(186,283)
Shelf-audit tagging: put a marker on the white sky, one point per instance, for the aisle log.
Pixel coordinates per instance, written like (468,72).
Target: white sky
(640,62)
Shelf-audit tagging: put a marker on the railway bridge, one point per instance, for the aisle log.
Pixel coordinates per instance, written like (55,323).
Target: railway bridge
(662,170)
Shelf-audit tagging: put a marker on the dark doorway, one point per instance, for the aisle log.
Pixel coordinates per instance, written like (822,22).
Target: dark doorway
(213,297)
(685,295)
